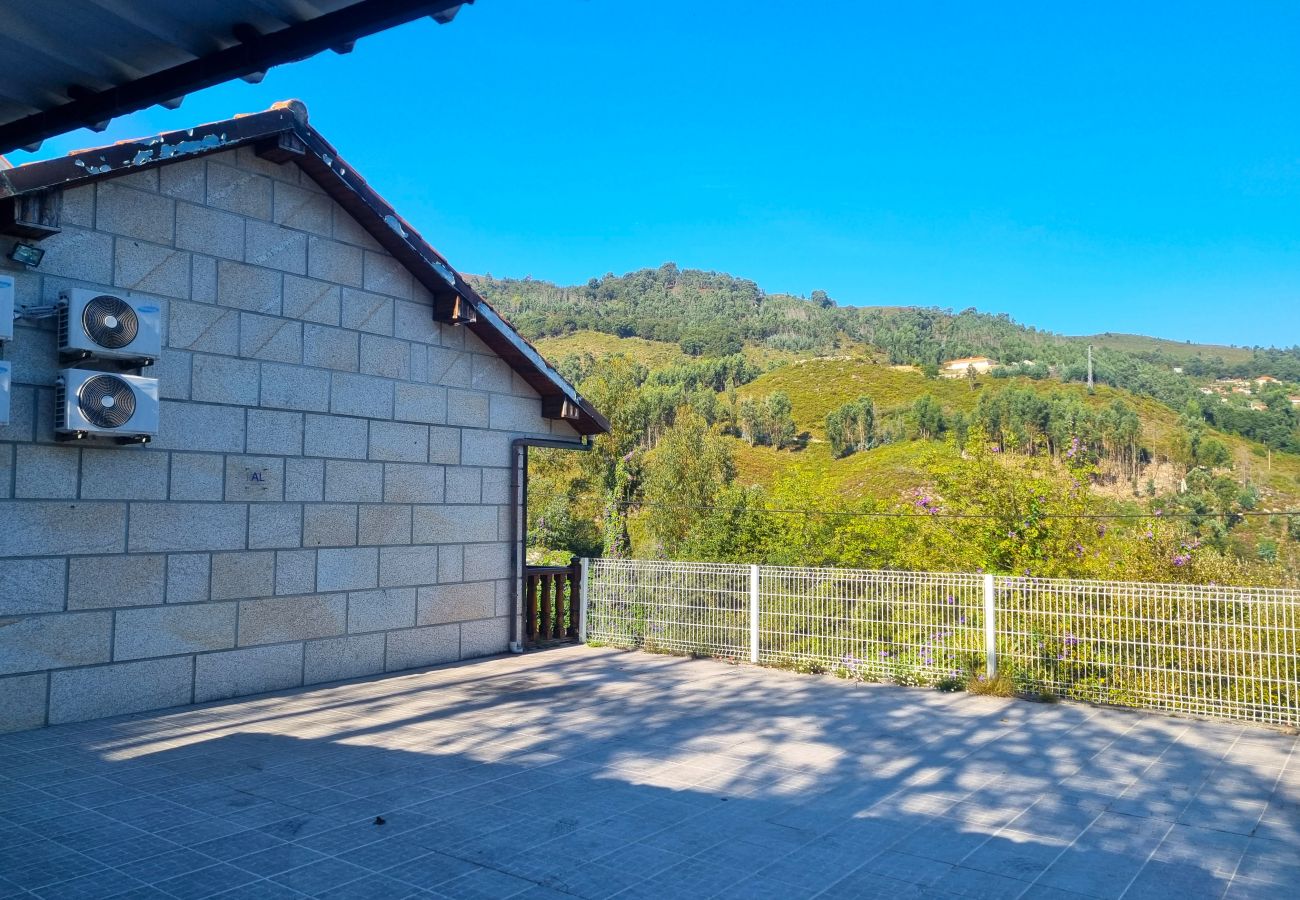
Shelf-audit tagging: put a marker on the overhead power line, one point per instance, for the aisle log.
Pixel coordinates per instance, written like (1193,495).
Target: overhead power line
(896,514)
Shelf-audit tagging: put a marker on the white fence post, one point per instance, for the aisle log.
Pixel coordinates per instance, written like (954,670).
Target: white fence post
(753,614)
(990,630)
(583,605)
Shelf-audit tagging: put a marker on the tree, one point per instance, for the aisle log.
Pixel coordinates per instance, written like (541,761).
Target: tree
(683,476)
(749,419)
(1211,452)
(780,421)
(927,417)
(851,428)
(710,339)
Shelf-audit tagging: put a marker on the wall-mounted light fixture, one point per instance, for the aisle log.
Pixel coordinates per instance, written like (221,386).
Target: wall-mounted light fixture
(27,254)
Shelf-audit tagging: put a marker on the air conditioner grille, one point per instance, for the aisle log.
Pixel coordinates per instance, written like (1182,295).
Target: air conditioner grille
(106,402)
(110,322)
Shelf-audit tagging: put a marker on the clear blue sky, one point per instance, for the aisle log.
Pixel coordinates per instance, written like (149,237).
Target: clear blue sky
(1083,167)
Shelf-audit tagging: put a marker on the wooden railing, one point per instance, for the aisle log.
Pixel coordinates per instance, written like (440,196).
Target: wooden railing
(551,603)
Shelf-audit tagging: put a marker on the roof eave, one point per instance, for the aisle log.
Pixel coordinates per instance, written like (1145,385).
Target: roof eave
(254,54)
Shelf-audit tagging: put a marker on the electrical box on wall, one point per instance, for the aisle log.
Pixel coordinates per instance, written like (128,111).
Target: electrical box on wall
(4,392)
(6,307)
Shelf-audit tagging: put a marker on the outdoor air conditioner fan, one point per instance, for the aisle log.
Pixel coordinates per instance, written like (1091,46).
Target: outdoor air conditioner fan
(95,325)
(104,404)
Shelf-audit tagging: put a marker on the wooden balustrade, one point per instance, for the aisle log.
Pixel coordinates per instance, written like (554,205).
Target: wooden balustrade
(551,603)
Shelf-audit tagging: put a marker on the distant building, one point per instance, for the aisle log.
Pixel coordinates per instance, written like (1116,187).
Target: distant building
(957,368)
(1267,379)
(1178,370)
(1295,401)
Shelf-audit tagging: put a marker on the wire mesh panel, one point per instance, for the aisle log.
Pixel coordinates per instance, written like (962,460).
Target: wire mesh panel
(908,627)
(697,608)
(1231,652)
(1222,651)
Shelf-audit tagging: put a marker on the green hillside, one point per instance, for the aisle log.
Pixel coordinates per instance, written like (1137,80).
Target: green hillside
(1184,351)
(720,396)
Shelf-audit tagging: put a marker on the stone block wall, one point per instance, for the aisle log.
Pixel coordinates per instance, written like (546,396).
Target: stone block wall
(328,494)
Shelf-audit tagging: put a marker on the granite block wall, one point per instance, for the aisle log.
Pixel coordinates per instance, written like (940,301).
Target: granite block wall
(327,495)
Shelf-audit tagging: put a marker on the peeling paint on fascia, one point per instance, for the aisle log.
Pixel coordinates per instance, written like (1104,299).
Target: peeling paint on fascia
(447,274)
(183,148)
(156,151)
(94,170)
(394,223)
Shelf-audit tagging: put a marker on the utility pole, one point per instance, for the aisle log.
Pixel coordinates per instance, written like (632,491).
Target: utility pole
(1090,384)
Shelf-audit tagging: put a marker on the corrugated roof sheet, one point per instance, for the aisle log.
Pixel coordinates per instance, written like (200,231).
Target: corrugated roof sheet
(79,63)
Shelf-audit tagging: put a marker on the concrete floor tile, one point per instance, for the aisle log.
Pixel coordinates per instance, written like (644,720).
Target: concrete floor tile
(1184,880)
(906,867)
(206,882)
(272,861)
(96,886)
(318,877)
(595,771)
(484,884)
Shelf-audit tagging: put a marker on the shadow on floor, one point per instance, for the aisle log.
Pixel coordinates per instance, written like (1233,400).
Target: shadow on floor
(590,773)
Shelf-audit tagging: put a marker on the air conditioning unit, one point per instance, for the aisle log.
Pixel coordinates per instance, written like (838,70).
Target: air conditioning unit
(4,392)
(6,308)
(98,325)
(105,404)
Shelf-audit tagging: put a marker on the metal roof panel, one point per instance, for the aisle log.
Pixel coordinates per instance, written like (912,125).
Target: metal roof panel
(80,63)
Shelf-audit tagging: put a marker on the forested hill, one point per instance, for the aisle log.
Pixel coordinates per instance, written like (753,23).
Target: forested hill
(712,314)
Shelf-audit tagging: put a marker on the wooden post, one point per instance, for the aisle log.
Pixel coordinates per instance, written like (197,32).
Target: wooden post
(575,591)
(557,624)
(530,608)
(547,614)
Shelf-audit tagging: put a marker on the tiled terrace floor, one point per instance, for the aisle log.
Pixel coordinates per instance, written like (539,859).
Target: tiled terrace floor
(593,772)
